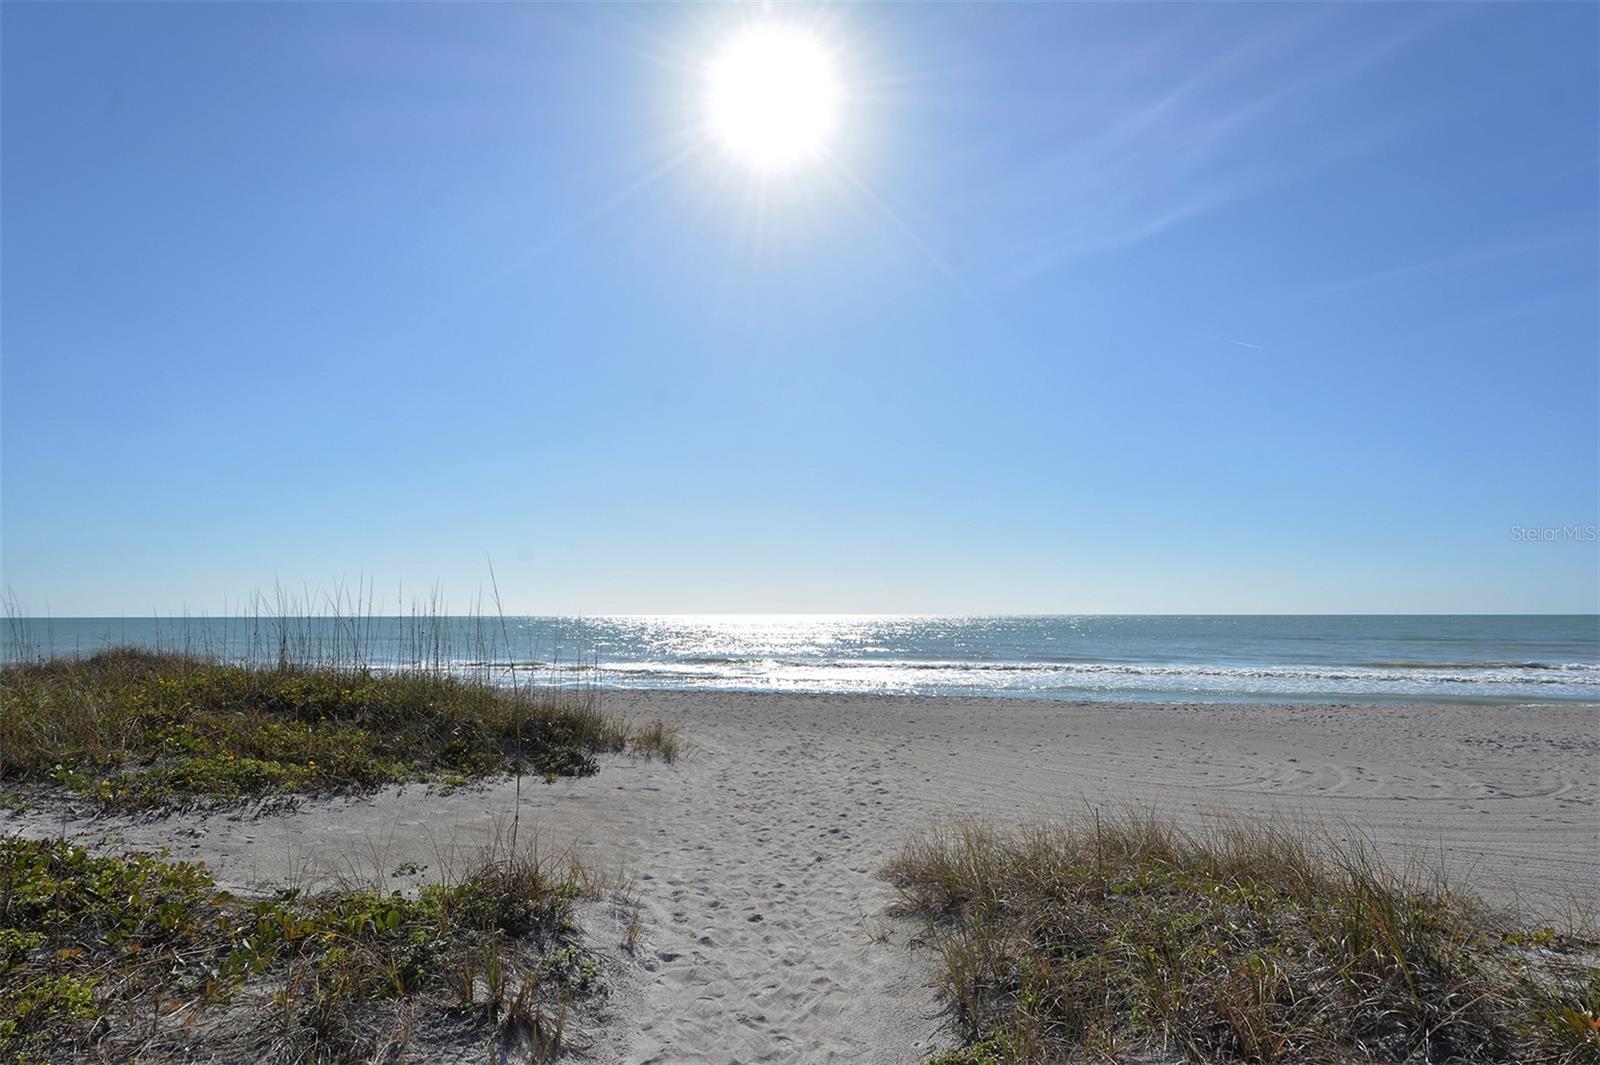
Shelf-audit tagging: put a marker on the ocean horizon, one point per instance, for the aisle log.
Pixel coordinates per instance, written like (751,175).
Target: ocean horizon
(1115,657)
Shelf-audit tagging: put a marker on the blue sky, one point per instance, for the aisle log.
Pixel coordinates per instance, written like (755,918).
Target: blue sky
(1089,308)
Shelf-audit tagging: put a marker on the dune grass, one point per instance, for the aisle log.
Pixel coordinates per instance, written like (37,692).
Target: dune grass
(1090,940)
(134,957)
(134,729)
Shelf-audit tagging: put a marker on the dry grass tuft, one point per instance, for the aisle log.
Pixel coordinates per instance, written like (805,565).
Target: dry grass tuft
(656,740)
(1238,943)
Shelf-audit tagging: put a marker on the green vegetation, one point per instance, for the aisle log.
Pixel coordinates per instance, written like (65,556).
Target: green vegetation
(1088,941)
(135,957)
(132,729)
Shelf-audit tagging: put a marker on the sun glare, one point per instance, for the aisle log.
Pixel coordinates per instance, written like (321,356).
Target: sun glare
(772,97)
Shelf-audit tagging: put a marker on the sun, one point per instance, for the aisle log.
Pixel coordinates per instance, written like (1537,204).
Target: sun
(772,97)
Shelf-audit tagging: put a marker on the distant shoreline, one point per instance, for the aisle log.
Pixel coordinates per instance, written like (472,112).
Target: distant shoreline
(1387,659)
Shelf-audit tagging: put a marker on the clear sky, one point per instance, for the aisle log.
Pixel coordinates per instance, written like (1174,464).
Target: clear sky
(1082,308)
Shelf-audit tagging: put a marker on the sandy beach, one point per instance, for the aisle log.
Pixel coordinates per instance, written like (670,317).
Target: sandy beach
(754,857)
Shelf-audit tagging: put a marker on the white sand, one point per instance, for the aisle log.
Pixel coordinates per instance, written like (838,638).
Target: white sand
(755,855)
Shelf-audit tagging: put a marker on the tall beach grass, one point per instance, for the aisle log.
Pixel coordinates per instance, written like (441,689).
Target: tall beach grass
(286,701)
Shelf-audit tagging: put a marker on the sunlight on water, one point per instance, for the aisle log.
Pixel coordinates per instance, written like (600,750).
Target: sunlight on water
(1398,658)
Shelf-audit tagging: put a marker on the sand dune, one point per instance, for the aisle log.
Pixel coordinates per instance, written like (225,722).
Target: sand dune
(754,857)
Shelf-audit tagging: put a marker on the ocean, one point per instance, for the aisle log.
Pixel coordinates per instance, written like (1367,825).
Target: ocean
(1339,658)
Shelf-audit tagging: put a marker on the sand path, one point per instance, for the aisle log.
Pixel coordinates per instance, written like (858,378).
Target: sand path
(754,857)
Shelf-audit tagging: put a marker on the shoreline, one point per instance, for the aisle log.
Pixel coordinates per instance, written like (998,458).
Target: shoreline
(1125,700)
(755,856)
(1274,659)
